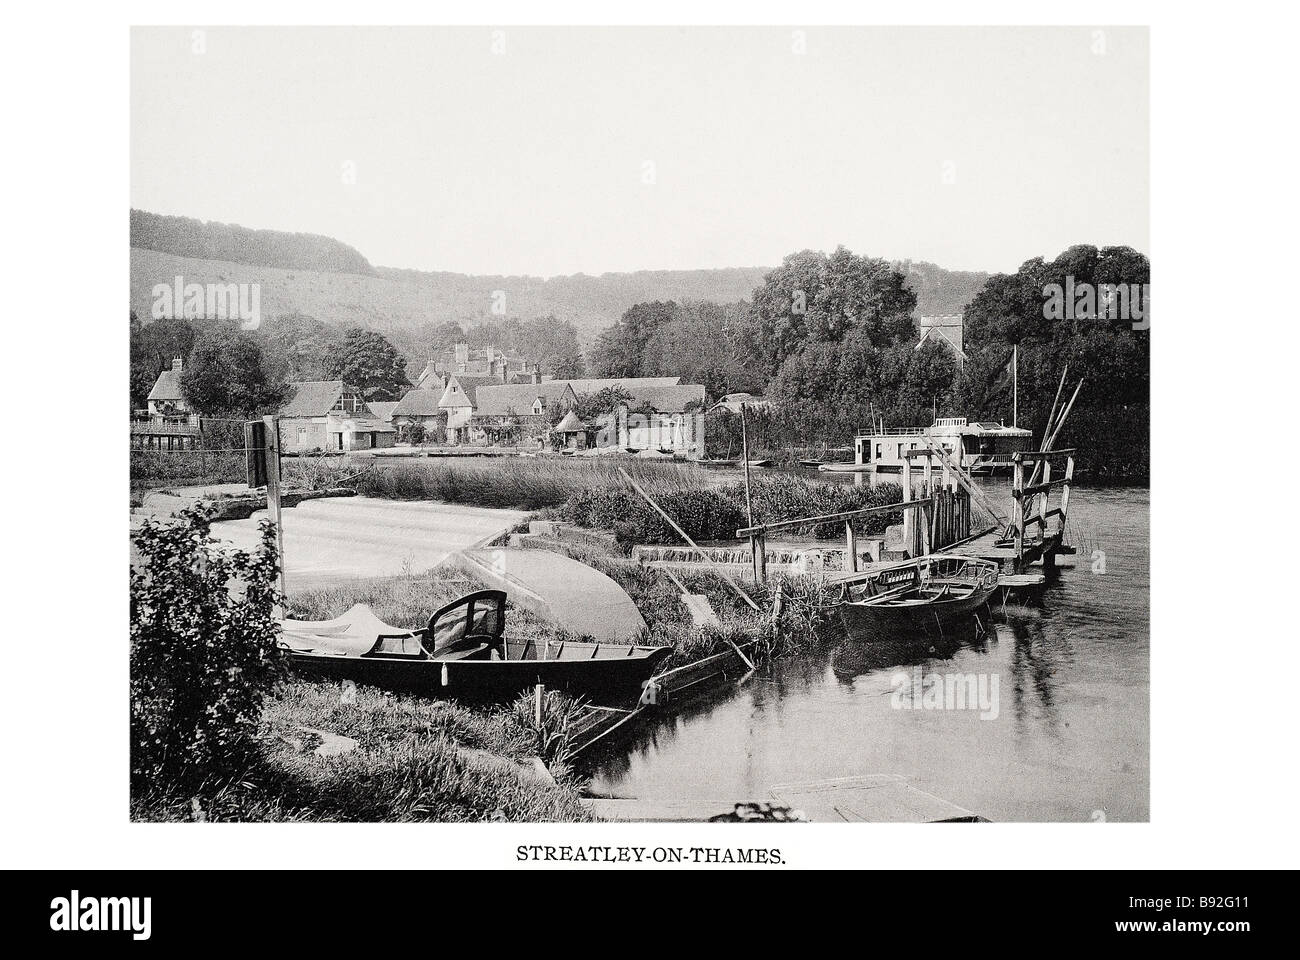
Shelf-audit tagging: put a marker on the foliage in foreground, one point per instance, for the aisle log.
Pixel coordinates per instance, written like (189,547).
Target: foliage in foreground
(203,648)
(415,760)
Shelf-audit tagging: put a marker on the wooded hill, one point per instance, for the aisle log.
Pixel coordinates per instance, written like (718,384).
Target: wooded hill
(322,278)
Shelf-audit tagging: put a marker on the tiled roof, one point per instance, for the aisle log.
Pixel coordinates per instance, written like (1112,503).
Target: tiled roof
(313,398)
(418,403)
(383,409)
(594,385)
(468,385)
(500,399)
(167,386)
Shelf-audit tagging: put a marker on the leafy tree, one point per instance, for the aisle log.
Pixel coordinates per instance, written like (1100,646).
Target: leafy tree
(367,360)
(154,344)
(602,402)
(225,375)
(619,350)
(707,343)
(1110,420)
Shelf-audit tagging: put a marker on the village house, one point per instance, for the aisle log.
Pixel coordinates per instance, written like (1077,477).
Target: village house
(461,358)
(457,403)
(329,416)
(420,408)
(509,412)
(166,399)
(659,414)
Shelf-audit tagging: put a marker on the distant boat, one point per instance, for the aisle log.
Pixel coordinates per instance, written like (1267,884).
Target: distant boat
(760,463)
(845,468)
(463,653)
(811,463)
(919,594)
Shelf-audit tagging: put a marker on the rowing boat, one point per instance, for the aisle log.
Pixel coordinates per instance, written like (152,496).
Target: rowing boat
(921,594)
(462,653)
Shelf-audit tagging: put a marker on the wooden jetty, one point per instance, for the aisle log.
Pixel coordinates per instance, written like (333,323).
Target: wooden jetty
(941,518)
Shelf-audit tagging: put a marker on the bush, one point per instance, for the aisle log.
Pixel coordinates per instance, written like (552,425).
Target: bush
(717,513)
(203,648)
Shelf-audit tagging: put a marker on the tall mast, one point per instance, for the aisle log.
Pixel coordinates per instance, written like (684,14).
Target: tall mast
(1015,399)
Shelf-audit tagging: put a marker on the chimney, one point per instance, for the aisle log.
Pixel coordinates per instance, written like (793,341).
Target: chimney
(177,363)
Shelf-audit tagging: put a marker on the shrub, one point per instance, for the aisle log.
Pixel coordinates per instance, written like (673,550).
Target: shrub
(717,513)
(203,648)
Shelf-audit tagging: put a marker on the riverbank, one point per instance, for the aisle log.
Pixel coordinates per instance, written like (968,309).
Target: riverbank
(323,754)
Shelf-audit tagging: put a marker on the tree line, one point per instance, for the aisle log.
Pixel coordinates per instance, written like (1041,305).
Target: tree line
(831,341)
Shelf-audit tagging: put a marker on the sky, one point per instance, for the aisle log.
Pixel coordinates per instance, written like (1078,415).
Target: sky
(550,151)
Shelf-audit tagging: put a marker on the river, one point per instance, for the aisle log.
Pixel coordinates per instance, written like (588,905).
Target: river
(1060,730)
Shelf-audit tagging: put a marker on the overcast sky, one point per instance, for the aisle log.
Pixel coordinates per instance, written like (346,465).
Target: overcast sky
(597,150)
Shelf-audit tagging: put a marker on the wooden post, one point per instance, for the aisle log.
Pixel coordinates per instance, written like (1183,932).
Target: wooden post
(1018,512)
(758,553)
(908,522)
(1044,499)
(757,546)
(1065,492)
(851,545)
(538,693)
(273,493)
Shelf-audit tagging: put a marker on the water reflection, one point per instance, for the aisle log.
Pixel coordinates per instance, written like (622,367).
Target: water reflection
(1071,737)
(856,657)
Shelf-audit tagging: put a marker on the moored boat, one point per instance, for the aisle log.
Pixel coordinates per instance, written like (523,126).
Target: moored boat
(922,594)
(462,653)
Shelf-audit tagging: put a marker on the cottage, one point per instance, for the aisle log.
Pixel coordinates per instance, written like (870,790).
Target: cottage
(508,412)
(418,409)
(327,416)
(461,358)
(166,399)
(457,402)
(660,413)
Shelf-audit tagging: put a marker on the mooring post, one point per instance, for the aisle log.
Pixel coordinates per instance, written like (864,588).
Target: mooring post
(538,692)
(272,442)
(851,545)
(908,522)
(1018,510)
(758,549)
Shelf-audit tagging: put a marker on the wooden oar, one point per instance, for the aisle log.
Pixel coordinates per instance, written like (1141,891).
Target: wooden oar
(682,533)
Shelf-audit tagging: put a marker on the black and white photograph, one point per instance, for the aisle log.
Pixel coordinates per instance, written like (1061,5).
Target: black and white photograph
(598,424)
(669,439)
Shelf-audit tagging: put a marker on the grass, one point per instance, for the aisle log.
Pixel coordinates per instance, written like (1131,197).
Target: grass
(519,482)
(416,760)
(159,468)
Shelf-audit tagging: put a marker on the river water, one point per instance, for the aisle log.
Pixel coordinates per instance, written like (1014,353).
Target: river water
(1057,727)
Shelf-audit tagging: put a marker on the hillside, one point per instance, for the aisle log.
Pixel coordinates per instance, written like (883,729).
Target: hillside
(317,276)
(187,237)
